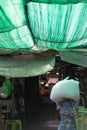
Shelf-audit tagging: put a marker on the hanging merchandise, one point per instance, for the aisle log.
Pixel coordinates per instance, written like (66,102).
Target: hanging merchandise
(7,88)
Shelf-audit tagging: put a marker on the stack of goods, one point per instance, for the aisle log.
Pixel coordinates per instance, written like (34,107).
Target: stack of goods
(81,120)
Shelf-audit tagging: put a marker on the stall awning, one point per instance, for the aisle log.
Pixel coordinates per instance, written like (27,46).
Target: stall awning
(25,65)
(78,57)
(52,26)
(35,26)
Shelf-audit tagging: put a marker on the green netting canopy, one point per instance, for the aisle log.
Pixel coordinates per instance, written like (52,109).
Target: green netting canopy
(78,57)
(53,26)
(35,26)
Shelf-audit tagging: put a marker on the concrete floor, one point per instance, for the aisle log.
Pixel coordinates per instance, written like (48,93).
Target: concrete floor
(46,120)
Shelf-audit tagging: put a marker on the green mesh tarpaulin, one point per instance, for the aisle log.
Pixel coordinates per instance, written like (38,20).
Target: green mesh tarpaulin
(59,26)
(26,65)
(53,26)
(35,26)
(56,1)
(78,57)
(47,1)
(17,38)
(12,14)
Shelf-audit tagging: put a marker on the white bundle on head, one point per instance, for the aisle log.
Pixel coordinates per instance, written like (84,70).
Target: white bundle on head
(67,88)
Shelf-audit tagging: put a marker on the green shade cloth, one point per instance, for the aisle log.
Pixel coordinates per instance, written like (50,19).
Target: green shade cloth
(78,57)
(51,26)
(35,26)
(12,14)
(56,1)
(16,39)
(24,66)
(32,50)
(59,26)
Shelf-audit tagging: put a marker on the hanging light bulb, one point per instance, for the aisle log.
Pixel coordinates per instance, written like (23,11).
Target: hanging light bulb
(57,73)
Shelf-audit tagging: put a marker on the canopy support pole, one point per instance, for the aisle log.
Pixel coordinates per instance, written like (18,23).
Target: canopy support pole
(31,100)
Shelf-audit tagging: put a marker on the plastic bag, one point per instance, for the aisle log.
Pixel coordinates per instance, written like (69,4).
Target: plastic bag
(6,89)
(67,88)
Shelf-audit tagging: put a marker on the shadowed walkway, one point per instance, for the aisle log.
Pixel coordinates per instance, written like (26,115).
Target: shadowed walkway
(47,120)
